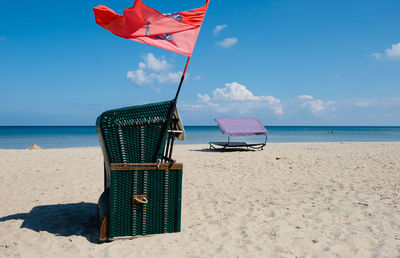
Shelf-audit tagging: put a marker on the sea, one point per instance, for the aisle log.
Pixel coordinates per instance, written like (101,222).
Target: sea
(21,137)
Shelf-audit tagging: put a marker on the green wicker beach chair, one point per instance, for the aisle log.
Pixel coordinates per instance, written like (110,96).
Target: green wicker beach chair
(142,185)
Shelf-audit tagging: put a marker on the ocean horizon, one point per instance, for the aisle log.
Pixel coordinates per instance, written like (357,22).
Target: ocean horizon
(21,137)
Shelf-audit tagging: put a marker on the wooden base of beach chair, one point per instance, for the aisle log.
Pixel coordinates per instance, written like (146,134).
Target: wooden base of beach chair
(104,230)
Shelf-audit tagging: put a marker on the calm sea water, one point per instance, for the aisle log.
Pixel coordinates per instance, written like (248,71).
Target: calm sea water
(20,137)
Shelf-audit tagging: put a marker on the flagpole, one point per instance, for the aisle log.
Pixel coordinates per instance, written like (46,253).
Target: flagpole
(182,78)
(170,113)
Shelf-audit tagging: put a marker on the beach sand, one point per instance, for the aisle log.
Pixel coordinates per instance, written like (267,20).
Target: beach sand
(291,199)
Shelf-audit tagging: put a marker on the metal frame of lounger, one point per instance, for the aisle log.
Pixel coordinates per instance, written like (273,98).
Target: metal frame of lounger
(229,144)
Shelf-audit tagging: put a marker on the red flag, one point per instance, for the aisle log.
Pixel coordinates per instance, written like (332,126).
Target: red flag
(175,32)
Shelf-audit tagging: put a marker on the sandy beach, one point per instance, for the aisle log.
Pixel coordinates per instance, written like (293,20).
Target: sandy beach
(289,200)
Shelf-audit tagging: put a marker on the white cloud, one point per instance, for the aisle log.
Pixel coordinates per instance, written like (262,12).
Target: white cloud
(235,96)
(152,70)
(393,52)
(197,77)
(381,102)
(138,77)
(305,97)
(233,92)
(378,56)
(237,92)
(204,98)
(167,77)
(316,106)
(156,64)
(390,53)
(364,104)
(218,28)
(228,42)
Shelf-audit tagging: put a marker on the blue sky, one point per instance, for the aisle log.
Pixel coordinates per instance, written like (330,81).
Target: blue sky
(285,62)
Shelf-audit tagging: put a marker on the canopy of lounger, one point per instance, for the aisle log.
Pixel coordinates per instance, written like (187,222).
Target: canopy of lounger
(241,126)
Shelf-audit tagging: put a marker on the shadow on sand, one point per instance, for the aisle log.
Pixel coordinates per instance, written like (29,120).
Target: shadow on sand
(72,219)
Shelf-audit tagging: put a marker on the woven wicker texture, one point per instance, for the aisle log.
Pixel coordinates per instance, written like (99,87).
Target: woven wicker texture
(162,212)
(131,134)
